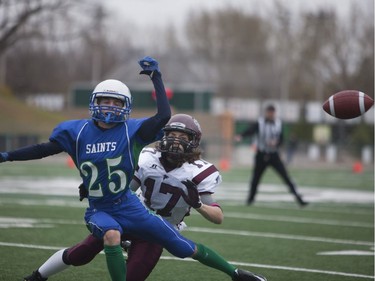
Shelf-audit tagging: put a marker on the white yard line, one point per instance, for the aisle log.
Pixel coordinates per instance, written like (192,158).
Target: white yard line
(279,193)
(227,191)
(355,275)
(278,236)
(73,202)
(290,219)
(10,222)
(287,268)
(361,209)
(346,253)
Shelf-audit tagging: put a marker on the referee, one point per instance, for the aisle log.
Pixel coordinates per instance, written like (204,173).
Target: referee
(269,138)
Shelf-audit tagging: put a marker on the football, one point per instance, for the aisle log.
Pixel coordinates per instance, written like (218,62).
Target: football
(348,104)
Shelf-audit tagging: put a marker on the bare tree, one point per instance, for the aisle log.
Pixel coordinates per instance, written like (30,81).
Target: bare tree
(23,19)
(234,46)
(332,52)
(26,20)
(60,45)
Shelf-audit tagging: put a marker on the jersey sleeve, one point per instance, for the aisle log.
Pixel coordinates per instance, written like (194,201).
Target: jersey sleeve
(136,124)
(208,179)
(65,134)
(137,143)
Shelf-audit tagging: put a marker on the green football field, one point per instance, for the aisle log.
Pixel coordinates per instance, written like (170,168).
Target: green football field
(325,241)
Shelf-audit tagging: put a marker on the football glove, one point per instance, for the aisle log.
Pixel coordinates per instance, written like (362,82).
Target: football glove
(149,66)
(83,193)
(3,157)
(192,197)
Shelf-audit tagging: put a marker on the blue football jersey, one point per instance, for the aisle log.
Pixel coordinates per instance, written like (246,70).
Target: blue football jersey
(105,158)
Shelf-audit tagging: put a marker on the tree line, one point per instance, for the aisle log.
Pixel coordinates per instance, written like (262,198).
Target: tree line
(46,45)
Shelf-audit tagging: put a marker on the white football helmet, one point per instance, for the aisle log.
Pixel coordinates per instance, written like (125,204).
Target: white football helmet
(110,89)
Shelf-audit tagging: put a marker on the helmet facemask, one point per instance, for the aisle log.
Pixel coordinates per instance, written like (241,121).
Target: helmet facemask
(179,150)
(110,89)
(108,113)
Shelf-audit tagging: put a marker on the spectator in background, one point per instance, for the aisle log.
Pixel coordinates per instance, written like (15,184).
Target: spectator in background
(269,138)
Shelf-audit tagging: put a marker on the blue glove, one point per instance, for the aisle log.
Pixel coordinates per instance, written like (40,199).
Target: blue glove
(149,66)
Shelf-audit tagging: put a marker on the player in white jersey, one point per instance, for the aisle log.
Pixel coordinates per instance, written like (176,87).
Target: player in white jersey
(173,179)
(164,191)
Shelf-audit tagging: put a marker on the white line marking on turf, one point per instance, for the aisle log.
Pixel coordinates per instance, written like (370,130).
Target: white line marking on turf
(227,191)
(303,270)
(35,223)
(284,268)
(278,236)
(308,270)
(346,253)
(290,219)
(11,222)
(30,246)
(315,208)
(279,206)
(277,193)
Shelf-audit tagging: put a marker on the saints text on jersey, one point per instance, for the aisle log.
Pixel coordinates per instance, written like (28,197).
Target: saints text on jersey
(100,147)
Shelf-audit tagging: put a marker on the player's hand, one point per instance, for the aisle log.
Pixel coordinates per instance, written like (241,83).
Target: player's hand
(3,157)
(149,66)
(82,192)
(192,197)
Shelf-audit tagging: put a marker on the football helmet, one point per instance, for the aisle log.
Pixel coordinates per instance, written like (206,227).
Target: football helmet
(177,149)
(110,89)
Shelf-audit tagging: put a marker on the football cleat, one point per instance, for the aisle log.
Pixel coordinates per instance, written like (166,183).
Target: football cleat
(125,245)
(243,275)
(35,276)
(301,202)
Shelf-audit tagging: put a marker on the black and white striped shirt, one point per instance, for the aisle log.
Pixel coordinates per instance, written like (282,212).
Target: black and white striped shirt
(269,134)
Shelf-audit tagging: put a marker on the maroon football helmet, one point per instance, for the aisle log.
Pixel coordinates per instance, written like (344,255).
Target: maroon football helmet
(177,148)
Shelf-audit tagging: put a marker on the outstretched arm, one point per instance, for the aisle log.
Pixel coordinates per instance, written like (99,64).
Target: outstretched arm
(210,210)
(251,130)
(151,127)
(36,151)
(204,203)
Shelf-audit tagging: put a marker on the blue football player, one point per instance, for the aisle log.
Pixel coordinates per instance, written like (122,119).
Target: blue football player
(105,150)
(164,175)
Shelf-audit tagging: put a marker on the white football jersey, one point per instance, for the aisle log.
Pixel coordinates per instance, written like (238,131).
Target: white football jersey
(162,190)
